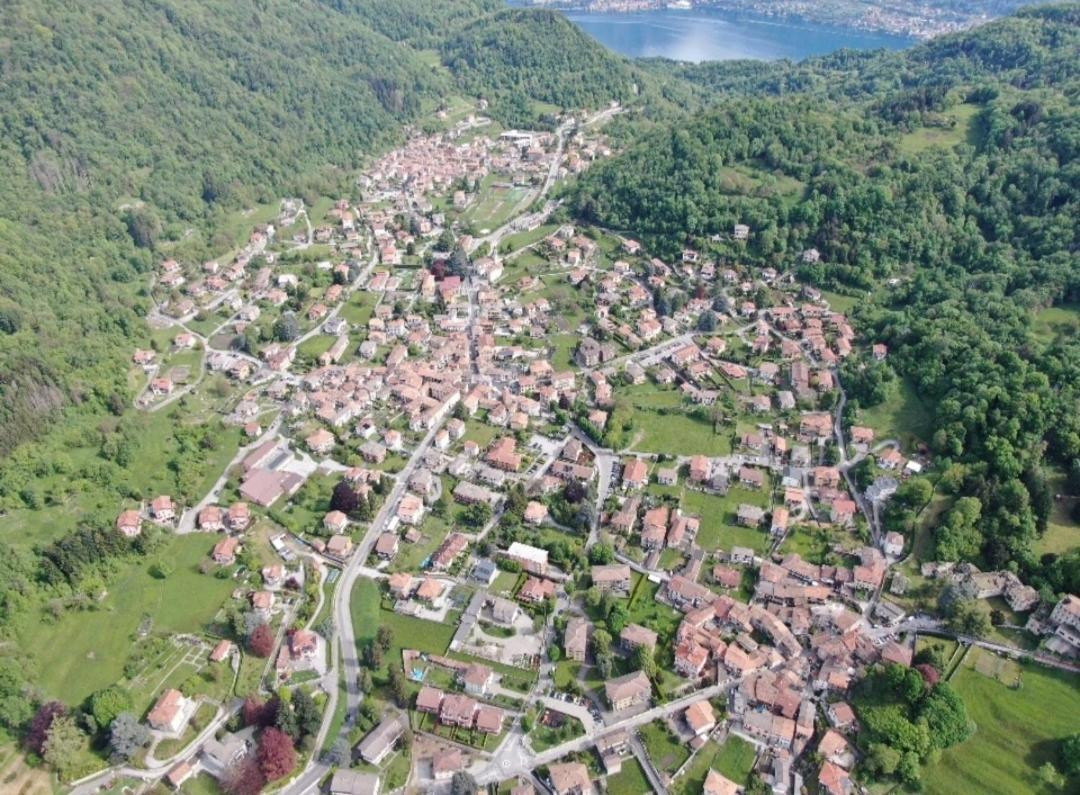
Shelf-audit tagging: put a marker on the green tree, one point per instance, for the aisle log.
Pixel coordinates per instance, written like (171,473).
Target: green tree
(106,704)
(63,745)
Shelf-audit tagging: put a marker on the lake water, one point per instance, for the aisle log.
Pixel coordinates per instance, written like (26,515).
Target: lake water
(705,35)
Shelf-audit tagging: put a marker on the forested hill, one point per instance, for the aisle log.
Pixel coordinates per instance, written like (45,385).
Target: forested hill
(517,55)
(127,126)
(956,177)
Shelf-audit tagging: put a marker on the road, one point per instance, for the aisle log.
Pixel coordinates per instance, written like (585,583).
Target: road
(514,759)
(345,638)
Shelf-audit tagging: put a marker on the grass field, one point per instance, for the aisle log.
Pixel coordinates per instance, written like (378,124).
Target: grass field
(719,529)
(409,633)
(630,780)
(86,651)
(1016,730)
(924,138)
(903,416)
(666,751)
(734,760)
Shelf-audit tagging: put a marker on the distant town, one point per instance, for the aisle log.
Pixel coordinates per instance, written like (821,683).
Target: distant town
(907,18)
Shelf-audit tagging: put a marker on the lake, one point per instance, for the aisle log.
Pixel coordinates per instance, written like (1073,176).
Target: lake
(707,35)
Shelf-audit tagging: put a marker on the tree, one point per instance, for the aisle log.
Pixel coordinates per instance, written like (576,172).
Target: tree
(882,760)
(1070,754)
(1049,776)
(286,327)
(344,498)
(277,757)
(365,682)
(63,744)
(617,618)
(126,736)
(308,717)
(40,725)
(945,716)
(463,784)
(243,777)
(384,638)
(261,641)
(643,658)
(106,704)
(397,686)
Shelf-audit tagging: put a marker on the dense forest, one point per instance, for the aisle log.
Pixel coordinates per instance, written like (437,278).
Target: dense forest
(976,235)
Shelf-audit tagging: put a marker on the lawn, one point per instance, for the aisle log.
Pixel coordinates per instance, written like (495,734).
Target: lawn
(719,529)
(87,650)
(902,416)
(630,780)
(653,419)
(734,760)
(645,610)
(409,632)
(1016,731)
(665,750)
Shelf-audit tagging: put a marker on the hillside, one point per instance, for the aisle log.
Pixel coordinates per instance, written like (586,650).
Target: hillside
(951,169)
(516,56)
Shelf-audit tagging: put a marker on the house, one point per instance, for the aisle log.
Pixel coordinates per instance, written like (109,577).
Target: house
(700,718)
(536,590)
(893,545)
(238,517)
(171,712)
(339,546)
(570,778)
(335,521)
(211,518)
(180,773)
(752,477)
(834,780)
(410,510)
(129,523)
(700,469)
(750,515)
(387,545)
(532,559)
(353,782)
(716,784)
(635,474)
(841,715)
(635,635)
(476,679)
(535,513)
(446,763)
(162,509)
(503,611)
(380,741)
(780,518)
(742,556)
(225,551)
(627,691)
(221,651)
(835,749)
(576,639)
(262,602)
(612,577)
(485,571)
(321,442)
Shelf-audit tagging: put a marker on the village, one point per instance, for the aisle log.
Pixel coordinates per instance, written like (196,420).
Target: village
(577,518)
